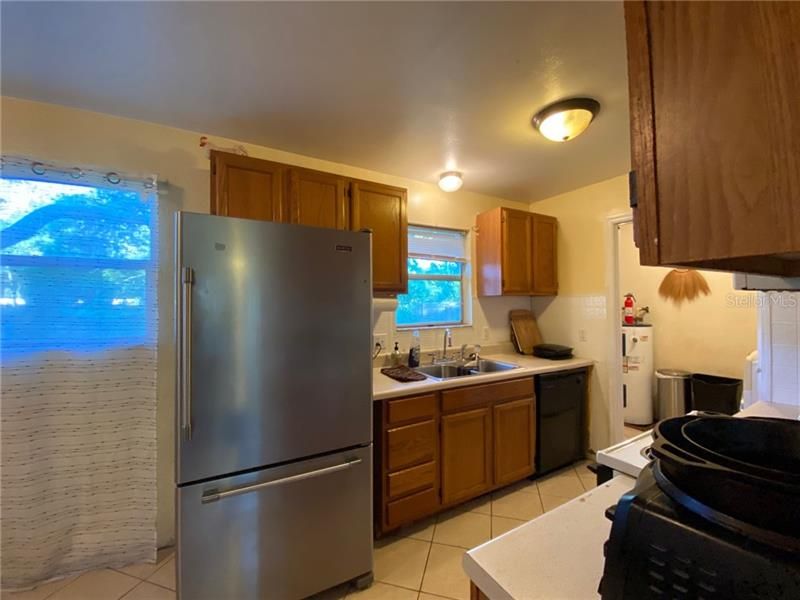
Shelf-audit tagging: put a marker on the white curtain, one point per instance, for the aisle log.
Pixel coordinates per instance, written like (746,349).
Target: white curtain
(78,414)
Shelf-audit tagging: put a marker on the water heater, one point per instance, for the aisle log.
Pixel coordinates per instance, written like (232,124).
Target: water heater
(637,374)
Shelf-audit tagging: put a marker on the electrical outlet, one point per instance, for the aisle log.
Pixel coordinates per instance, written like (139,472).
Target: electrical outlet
(379,338)
(486,334)
(581,335)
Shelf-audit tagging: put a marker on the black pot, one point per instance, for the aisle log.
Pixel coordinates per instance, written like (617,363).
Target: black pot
(741,473)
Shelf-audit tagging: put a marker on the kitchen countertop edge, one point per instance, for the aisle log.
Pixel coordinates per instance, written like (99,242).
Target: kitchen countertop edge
(385,387)
(494,566)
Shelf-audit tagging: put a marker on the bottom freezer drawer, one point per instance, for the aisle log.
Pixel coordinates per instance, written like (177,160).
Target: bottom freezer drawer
(285,532)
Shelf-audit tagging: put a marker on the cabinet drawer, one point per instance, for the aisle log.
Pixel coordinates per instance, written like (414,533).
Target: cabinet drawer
(413,507)
(411,480)
(410,409)
(410,445)
(469,397)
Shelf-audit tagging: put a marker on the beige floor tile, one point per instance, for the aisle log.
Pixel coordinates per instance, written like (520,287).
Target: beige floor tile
(383,591)
(104,584)
(551,502)
(39,593)
(165,575)
(522,486)
(631,432)
(338,592)
(444,575)
(148,591)
(145,570)
(466,529)
(520,504)
(565,484)
(401,562)
(501,525)
(589,481)
(423,530)
(482,505)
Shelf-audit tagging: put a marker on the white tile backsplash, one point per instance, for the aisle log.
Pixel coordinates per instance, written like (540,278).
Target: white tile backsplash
(779,347)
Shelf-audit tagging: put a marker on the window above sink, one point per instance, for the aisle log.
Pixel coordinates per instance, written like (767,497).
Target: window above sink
(438,281)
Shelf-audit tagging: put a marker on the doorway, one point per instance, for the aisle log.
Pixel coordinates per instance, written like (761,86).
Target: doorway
(707,327)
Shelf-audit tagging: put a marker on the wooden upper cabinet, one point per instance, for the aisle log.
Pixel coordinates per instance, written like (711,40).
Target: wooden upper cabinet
(517,249)
(466,454)
(318,199)
(514,440)
(252,188)
(715,133)
(382,208)
(516,253)
(545,264)
(246,187)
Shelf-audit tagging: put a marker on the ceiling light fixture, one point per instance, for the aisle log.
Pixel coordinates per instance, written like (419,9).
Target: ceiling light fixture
(566,119)
(450,181)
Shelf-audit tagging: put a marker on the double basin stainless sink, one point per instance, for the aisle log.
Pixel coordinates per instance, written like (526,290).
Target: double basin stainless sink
(467,369)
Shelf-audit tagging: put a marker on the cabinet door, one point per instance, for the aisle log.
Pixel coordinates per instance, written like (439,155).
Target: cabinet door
(318,199)
(715,133)
(545,269)
(466,454)
(517,252)
(514,440)
(382,209)
(246,187)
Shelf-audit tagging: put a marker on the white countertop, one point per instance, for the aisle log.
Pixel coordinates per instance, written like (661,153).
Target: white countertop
(521,565)
(386,387)
(560,554)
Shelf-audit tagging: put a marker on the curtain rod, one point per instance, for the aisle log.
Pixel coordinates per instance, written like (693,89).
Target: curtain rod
(44,170)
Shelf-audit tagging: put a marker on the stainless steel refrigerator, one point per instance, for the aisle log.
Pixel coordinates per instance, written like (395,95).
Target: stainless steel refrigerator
(274,409)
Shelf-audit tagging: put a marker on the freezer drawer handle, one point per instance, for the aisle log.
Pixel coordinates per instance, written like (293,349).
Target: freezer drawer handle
(213,495)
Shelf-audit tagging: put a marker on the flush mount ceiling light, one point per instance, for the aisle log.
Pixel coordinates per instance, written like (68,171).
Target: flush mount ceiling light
(566,119)
(450,181)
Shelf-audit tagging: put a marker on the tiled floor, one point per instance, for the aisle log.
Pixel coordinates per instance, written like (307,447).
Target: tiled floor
(422,562)
(634,431)
(136,582)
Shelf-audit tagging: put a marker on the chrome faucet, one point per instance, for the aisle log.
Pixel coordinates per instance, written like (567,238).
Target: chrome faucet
(447,342)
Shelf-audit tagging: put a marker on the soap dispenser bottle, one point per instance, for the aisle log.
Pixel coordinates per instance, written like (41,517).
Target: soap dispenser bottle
(414,351)
(394,358)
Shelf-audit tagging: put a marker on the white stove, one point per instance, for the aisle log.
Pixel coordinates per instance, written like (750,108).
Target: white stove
(630,456)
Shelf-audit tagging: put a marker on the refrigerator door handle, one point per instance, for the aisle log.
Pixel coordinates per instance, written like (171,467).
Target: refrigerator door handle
(214,495)
(187,280)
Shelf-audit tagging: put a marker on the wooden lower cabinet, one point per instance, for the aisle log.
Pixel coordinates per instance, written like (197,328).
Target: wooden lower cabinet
(466,441)
(434,451)
(514,440)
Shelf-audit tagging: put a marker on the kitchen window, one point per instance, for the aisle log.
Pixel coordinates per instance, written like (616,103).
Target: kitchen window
(437,279)
(78,263)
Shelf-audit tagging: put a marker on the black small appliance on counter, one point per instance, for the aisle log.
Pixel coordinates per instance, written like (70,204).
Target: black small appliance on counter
(716,514)
(552,351)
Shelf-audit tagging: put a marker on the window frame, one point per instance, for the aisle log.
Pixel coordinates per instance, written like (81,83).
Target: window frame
(18,168)
(463,278)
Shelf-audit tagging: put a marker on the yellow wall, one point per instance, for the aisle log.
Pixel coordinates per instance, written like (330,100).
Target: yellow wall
(59,134)
(582,216)
(577,316)
(711,334)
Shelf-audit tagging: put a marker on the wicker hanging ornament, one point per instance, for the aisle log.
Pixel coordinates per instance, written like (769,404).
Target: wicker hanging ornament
(683,284)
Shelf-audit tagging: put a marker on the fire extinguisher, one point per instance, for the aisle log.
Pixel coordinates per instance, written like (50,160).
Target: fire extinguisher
(629,309)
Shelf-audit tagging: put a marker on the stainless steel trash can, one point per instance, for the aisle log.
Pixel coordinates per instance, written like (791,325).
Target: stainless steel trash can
(672,393)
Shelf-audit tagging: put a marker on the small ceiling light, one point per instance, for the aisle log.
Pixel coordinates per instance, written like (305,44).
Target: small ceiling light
(450,181)
(566,119)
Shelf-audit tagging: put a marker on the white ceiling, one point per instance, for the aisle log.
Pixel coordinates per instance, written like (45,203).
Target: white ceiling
(406,88)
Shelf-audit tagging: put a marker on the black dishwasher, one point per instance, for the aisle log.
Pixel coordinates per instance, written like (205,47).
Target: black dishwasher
(560,400)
